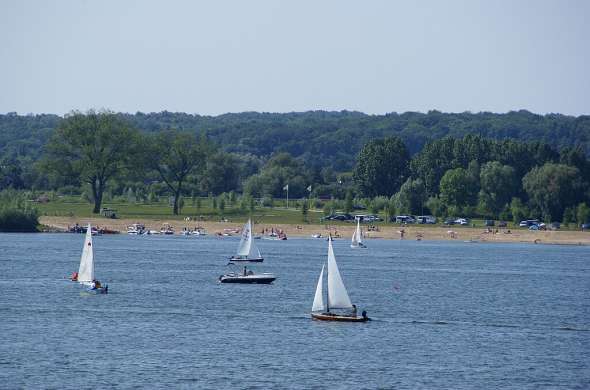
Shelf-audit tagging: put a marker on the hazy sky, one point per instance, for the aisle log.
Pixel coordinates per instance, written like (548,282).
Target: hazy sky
(231,56)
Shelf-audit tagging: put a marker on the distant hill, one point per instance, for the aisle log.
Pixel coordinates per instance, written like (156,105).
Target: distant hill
(321,138)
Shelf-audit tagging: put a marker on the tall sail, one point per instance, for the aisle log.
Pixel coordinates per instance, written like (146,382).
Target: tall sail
(359,236)
(318,300)
(356,236)
(337,295)
(86,271)
(246,240)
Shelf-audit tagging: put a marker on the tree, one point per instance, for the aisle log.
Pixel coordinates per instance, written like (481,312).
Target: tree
(457,188)
(348,202)
(552,188)
(382,167)
(411,197)
(175,156)
(304,210)
(93,147)
(518,210)
(498,185)
(583,213)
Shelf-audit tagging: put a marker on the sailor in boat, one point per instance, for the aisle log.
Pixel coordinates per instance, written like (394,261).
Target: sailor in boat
(74,277)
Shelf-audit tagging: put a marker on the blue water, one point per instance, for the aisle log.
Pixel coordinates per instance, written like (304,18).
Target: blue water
(448,315)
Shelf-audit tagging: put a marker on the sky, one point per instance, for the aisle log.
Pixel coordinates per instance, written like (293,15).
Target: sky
(222,56)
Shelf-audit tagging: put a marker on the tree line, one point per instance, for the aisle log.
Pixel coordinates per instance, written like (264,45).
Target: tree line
(105,153)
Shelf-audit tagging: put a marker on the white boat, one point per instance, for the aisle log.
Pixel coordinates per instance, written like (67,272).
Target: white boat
(136,229)
(86,271)
(357,237)
(338,306)
(247,250)
(199,232)
(166,229)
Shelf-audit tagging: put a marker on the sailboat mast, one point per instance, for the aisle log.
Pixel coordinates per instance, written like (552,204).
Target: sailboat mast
(327,289)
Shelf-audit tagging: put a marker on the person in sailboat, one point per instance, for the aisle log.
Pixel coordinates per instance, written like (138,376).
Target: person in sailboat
(364,314)
(353,312)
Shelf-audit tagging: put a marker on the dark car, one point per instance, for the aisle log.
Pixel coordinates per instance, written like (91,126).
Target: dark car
(502,224)
(489,222)
(586,226)
(449,221)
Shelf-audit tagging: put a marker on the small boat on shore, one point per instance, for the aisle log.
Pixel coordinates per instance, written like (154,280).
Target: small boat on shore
(337,296)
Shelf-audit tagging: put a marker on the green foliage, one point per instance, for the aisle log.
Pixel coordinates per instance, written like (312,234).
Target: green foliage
(382,167)
(436,206)
(91,148)
(411,197)
(499,185)
(552,188)
(348,202)
(583,213)
(304,210)
(457,188)
(15,214)
(175,156)
(518,210)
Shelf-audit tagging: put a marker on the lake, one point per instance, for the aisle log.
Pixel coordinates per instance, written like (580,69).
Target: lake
(449,315)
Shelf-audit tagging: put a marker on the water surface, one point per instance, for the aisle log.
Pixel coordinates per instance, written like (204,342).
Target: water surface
(445,315)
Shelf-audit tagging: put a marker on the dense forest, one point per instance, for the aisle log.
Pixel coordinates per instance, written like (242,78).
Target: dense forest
(506,166)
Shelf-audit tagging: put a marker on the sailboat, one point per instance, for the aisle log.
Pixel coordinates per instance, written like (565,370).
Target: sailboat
(337,296)
(247,253)
(247,250)
(357,236)
(86,271)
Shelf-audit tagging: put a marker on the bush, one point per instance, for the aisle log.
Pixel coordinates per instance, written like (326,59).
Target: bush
(18,221)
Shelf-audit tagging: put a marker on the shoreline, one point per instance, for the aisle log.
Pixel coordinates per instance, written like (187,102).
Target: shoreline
(392,232)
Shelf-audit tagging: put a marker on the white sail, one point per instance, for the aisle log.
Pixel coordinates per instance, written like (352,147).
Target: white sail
(246,241)
(318,300)
(247,248)
(359,235)
(86,270)
(337,295)
(356,236)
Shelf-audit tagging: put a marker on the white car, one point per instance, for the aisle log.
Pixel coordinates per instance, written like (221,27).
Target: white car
(462,221)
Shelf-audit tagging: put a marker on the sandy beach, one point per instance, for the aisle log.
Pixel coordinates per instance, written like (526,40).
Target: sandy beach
(410,232)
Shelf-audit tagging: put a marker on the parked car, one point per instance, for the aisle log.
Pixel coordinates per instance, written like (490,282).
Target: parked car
(502,224)
(528,222)
(368,218)
(405,219)
(585,226)
(534,227)
(462,221)
(449,221)
(426,219)
(555,226)
(489,222)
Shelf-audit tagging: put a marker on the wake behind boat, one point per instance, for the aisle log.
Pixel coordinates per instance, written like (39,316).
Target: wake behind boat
(85,274)
(337,296)
(247,250)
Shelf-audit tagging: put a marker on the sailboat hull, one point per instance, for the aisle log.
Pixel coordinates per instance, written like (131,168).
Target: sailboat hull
(234,259)
(100,290)
(247,279)
(338,318)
